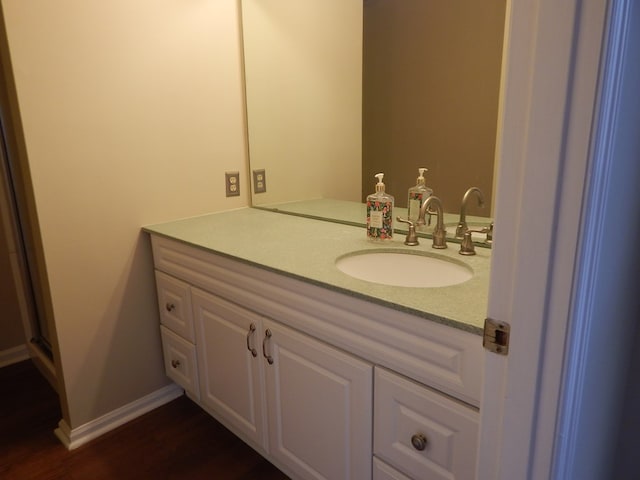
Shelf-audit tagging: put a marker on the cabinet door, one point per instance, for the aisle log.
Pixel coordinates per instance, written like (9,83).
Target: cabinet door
(229,364)
(319,406)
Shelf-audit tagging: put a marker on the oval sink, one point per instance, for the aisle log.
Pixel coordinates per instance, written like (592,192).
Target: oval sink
(403,269)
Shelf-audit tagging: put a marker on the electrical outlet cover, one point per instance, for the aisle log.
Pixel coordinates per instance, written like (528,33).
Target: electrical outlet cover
(259,181)
(232,184)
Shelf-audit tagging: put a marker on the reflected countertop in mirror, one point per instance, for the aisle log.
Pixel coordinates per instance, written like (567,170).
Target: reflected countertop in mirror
(355,214)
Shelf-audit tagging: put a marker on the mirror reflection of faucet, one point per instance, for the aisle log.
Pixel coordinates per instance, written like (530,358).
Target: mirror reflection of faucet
(462,223)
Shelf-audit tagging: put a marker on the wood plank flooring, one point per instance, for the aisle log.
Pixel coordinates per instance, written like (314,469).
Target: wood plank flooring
(176,441)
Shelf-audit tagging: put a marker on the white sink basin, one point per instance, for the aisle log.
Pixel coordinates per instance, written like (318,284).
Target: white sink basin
(403,268)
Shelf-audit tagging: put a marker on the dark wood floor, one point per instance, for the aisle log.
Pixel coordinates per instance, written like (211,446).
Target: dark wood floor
(175,441)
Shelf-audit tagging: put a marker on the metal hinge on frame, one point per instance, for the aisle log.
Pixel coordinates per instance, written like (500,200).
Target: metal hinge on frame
(496,336)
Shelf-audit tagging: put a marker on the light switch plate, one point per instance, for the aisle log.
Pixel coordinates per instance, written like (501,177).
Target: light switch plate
(259,181)
(232,184)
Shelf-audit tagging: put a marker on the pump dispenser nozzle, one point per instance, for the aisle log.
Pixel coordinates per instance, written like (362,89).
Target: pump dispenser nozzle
(420,180)
(379,185)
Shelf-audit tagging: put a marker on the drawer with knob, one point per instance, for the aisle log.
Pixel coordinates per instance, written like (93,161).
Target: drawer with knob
(180,362)
(174,303)
(421,432)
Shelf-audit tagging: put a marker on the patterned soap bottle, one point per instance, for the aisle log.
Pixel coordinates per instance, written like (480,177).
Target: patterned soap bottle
(380,213)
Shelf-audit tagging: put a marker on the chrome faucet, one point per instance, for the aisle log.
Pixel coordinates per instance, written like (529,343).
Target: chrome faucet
(462,223)
(439,233)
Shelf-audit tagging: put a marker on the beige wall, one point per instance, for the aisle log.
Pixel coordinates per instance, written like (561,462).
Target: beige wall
(304,97)
(132,112)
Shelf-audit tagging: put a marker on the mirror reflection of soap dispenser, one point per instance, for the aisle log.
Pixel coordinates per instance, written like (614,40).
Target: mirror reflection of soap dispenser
(417,195)
(380,213)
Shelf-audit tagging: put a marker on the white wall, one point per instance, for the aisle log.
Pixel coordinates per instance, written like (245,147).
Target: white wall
(132,112)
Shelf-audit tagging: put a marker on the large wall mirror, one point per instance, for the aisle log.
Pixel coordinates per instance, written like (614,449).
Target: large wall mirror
(338,90)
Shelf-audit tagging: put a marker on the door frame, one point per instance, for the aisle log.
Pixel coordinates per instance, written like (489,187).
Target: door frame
(29,267)
(551,74)
(598,379)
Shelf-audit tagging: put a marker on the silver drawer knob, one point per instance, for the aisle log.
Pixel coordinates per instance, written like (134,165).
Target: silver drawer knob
(175,363)
(419,441)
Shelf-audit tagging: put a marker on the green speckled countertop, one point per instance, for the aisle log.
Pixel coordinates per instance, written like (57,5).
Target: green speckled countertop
(306,249)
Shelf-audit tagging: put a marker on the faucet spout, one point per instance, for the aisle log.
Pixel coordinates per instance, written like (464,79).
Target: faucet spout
(462,223)
(439,233)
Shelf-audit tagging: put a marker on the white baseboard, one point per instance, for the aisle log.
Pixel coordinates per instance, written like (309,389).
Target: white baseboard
(13,355)
(73,438)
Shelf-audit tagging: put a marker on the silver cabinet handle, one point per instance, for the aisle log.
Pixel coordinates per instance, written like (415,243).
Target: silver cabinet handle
(170,307)
(252,328)
(175,363)
(267,335)
(419,441)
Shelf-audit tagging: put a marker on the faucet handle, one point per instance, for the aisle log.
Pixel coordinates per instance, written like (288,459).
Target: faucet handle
(489,238)
(467,247)
(412,238)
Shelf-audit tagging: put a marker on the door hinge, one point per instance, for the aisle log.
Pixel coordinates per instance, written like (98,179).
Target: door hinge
(496,336)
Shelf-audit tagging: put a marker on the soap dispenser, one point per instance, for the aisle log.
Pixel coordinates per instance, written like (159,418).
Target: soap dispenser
(380,213)
(417,195)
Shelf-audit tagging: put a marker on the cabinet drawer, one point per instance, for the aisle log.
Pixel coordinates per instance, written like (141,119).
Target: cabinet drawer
(174,303)
(407,414)
(180,362)
(382,471)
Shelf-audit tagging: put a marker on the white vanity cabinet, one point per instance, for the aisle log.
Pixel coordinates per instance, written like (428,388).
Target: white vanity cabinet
(258,376)
(322,384)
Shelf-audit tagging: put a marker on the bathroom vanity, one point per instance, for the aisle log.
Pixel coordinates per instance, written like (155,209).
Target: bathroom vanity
(325,375)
